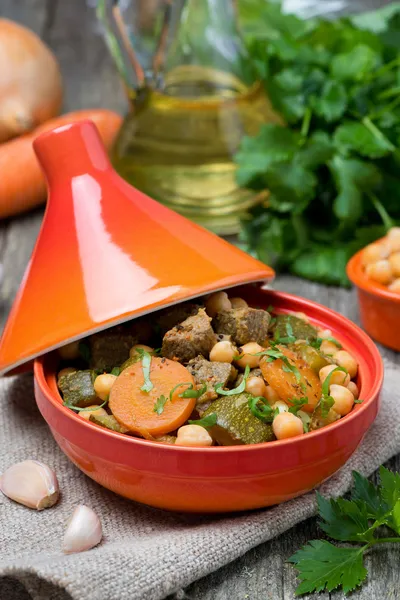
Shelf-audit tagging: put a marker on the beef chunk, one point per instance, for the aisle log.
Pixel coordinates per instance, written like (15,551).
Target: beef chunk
(243,324)
(169,317)
(110,348)
(210,373)
(192,337)
(77,388)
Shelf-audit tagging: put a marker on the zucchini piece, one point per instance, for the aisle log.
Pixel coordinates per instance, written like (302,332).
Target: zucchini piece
(313,357)
(236,424)
(77,388)
(109,422)
(287,325)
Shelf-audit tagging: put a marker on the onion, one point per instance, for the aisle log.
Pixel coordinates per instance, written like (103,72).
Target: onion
(30,81)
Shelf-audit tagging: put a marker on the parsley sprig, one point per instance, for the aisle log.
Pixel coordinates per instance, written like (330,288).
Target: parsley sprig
(145,357)
(237,390)
(359,521)
(332,169)
(190,392)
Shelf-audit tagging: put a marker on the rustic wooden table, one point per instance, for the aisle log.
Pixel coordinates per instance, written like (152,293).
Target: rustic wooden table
(70,29)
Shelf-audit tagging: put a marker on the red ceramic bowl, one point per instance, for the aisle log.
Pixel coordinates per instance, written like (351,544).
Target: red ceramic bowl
(220,479)
(379,308)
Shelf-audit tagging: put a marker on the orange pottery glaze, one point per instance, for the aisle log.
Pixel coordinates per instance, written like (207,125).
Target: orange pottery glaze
(107,253)
(220,479)
(379,307)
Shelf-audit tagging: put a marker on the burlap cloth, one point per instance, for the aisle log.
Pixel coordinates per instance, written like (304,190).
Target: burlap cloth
(146,553)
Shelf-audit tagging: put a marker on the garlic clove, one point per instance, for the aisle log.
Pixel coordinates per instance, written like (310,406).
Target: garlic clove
(30,483)
(83,531)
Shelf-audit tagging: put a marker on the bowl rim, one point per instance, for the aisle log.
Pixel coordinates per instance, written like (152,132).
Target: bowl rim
(348,326)
(357,276)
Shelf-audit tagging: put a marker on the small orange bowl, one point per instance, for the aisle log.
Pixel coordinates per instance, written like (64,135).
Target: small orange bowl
(379,308)
(220,479)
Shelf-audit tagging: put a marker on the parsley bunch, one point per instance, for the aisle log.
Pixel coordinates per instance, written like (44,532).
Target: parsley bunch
(359,521)
(332,167)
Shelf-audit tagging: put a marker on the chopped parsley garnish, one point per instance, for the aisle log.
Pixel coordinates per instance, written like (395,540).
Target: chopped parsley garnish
(190,392)
(275,354)
(271,309)
(316,342)
(116,371)
(326,402)
(145,357)
(297,404)
(358,401)
(261,409)
(206,422)
(238,390)
(159,404)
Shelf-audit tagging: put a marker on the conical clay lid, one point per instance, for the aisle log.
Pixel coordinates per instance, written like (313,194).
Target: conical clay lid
(107,253)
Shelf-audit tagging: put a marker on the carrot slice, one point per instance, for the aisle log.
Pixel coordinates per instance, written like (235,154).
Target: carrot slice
(134,408)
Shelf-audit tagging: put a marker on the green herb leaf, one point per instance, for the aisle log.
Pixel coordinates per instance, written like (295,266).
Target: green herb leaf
(322,565)
(116,371)
(238,390)
(146,365)
(354,65)
(396,516)
(272,145)
(332,103)
(390,487)
(194,393)
(368,493)
(356,137)
(297,404)
(159,404)
(261,409)
(327,382)
(206,422)
(344,520)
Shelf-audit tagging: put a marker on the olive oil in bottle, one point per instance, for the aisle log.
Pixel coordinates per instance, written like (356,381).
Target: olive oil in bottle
(177,145)
(193,96)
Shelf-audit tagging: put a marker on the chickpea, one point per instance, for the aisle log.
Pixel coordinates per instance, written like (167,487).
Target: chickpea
(343,398)
(338,378)
(324,333)
(394,261)
(373,253)
(271,395)
(223,352)
(256,386)
(217,302)
(286,425)
(133,352)
(353,389)
(69,351)
(193,435)
(99,412)
(103,384)
(395,286)
(238,303)
(380,271)
(345,359)
(66,371)
(328,348)
(281,406)
(247,355)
